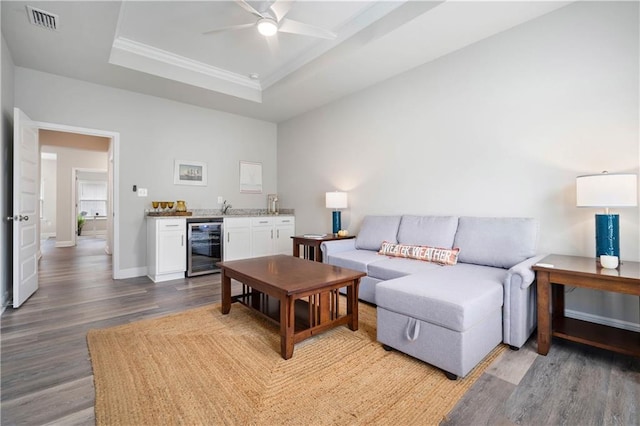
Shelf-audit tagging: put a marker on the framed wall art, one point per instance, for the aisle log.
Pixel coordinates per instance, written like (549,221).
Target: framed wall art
(189,173)
(250,177)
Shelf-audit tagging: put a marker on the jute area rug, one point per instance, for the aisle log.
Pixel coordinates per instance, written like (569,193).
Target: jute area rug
(202,367)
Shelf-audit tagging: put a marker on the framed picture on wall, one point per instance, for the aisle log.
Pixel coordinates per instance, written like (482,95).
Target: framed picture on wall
(250,177)
(189,173)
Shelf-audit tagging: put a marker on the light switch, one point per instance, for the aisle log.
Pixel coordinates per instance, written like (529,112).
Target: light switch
(220,199)
(142,192)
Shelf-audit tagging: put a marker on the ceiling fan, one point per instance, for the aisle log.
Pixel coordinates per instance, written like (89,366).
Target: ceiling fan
(273,20)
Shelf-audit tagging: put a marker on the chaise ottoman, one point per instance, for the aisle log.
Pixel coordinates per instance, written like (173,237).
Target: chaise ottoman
(449,318)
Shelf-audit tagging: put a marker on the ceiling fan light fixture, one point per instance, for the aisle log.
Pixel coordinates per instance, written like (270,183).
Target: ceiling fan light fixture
(267,27)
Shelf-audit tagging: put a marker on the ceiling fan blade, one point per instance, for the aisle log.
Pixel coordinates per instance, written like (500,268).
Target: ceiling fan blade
(280,8)
(229,28)
(294,27)
(246,6)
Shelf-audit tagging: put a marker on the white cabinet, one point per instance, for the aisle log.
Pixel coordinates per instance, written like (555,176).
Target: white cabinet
(285,229)
(272,235)
(166,248)
(237,238)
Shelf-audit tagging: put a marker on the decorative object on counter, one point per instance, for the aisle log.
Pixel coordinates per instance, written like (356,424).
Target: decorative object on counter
(189,173)
(272,204)
(170,213)
(250,177)
(155,205)
(225,207)
(170,205)
(181,206)
(163,205)
(336,200)
(607,190)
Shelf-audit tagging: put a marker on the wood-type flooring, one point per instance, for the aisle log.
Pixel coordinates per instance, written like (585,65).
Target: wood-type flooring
(46,375)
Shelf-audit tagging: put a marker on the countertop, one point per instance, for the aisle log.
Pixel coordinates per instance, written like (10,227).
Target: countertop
(204,214)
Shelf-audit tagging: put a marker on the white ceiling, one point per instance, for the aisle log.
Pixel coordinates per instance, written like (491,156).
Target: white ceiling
(158,48)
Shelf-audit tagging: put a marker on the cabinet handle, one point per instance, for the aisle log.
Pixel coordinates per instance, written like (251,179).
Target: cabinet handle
(182,240)
(278,233)
(228,236)
(285,221)
(263,221)
(171,225)
(272,234)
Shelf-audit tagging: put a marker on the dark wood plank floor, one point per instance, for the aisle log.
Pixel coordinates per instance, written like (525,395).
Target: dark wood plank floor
(47,378)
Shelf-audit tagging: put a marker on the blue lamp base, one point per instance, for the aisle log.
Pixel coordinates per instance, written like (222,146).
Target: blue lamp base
(336,221)
(607,235)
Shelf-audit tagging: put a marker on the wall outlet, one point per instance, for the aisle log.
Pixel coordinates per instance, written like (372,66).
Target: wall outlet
(142,192)
(220,199)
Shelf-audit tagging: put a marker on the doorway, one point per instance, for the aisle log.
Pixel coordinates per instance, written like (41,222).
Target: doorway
(103,148)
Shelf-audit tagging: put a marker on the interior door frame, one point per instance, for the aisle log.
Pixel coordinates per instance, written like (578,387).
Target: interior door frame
(114,147)
(74,197)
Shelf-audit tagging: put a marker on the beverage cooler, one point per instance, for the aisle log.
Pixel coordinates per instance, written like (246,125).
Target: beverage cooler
(204,246)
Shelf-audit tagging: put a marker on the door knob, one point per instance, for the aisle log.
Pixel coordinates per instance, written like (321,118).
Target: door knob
(23,218)
(9,217)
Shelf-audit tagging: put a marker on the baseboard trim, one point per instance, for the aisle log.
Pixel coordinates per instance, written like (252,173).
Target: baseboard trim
(130,273)
(47,235)
(611,322)
(64,244)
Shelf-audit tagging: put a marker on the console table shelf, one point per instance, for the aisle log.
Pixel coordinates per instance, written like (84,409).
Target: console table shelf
(553,273)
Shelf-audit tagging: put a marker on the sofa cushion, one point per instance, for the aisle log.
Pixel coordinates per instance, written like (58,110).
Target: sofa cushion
(438,255)
(396,267)
(375,230)
(456,298)
(500,242)
(354,259)
(434,231)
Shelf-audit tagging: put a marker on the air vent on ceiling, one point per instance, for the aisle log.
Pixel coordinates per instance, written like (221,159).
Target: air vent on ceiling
(42,18)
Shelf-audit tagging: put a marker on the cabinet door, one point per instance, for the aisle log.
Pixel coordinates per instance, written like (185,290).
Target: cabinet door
(237,243)
(262,241)
(171,251)
(283,241)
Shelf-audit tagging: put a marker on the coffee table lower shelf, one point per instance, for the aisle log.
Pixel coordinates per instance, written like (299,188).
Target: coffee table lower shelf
(311,315)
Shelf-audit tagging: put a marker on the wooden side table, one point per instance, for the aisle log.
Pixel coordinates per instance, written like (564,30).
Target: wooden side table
(555,271)
(311,245)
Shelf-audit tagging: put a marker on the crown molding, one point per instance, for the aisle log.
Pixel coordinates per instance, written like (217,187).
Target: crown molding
(142,57)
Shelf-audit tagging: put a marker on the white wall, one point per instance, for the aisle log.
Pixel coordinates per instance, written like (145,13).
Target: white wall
(48,174)
(6,170)
(153,133)
(500,128)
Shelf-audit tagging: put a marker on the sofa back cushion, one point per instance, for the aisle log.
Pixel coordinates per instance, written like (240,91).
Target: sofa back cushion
(433,231)
(499,242)
(375,230)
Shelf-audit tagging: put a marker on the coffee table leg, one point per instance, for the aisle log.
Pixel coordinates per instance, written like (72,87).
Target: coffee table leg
(287,327)
(226,292)
(352,304)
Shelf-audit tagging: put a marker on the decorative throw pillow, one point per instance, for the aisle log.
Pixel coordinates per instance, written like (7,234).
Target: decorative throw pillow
(438,255)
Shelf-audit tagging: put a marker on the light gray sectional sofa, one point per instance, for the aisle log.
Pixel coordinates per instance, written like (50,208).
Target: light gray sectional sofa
(449,316)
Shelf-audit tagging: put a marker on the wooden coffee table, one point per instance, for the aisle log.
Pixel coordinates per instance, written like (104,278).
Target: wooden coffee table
(300,295)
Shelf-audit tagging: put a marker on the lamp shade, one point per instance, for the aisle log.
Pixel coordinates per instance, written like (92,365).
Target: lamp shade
(336,200)
(607,190)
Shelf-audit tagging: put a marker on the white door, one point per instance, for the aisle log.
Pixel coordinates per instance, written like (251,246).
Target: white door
(25,207)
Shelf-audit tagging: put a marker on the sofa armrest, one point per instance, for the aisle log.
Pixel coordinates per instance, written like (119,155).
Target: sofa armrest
(521,274)
(336,246)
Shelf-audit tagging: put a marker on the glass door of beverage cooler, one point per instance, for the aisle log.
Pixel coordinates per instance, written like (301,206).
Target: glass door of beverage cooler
(205,248)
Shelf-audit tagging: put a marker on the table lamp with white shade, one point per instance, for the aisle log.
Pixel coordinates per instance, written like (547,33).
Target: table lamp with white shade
(336,200)
(607,190)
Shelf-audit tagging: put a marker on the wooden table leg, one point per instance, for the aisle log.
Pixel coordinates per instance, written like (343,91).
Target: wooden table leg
(352,303)
(544,317)
(296,249)
(226,292)
(287,327)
